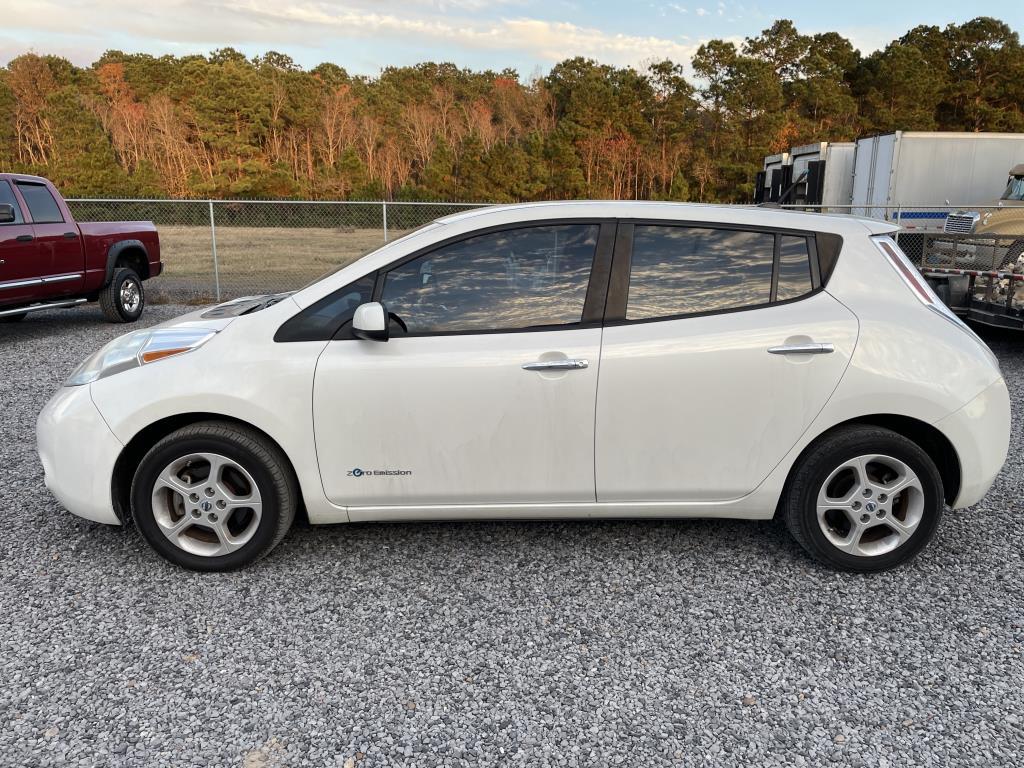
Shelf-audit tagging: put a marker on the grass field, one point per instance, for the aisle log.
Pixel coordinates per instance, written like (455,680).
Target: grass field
(254,259)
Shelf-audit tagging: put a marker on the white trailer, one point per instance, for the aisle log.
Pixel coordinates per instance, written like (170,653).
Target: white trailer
(912,177)
(823,173)
(819,174)
(773,177)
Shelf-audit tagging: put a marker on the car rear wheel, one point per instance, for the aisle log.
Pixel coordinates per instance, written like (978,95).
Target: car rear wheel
(124,299)
(864,499)
(214,496)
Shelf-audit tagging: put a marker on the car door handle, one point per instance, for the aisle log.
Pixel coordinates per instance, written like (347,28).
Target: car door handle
(24,238)
(70,235)
(802,349)
(556,365)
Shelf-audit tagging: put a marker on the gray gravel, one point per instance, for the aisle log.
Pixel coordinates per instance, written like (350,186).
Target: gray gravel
(539,644)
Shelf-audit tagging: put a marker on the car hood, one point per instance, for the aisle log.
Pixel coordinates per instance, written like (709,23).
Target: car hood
(222,315)
(197,319)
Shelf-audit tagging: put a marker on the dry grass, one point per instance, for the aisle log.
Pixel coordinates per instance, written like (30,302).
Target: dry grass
(256,259)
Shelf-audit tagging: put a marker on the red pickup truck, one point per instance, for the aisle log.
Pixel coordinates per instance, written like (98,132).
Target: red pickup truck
(48,260)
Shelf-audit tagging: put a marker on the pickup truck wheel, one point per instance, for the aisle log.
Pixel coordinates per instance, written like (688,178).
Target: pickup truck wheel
(122,301)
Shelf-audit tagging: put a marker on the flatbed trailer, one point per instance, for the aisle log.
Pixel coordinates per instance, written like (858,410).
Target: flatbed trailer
(999,304)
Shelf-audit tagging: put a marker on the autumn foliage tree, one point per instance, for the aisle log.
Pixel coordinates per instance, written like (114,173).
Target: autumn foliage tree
(225,125)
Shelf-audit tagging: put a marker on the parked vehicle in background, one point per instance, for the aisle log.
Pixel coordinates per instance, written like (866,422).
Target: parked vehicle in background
(977,264)
(819,174)
(910,177)
(584,359)
(48,260)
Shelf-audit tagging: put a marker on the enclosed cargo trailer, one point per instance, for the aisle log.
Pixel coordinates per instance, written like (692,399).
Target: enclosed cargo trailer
(912,177)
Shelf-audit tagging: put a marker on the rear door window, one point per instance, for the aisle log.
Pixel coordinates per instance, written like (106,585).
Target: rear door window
(41,205)
(678,270)
(7,196)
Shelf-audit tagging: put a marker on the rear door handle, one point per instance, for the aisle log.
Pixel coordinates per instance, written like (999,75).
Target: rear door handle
(556,365)
(802,349)
(24,238)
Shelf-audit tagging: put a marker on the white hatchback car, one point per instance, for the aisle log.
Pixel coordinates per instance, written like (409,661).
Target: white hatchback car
(552,360)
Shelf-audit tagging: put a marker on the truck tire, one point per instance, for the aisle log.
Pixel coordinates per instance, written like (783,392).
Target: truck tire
(123,299)
(14,318)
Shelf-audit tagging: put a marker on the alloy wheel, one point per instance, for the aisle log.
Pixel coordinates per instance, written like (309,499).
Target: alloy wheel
(870,505)
(131,295)
(206,504)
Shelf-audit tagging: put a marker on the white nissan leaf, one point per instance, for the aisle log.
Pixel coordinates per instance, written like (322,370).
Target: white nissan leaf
(551,360)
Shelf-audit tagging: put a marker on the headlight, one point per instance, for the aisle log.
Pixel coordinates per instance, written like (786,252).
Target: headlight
(138,348)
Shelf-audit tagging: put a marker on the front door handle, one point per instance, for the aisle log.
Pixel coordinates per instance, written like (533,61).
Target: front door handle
(24,238)
(556,365)
(70,235)
(802,349)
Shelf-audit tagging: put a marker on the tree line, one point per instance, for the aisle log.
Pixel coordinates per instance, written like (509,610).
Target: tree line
(227,126)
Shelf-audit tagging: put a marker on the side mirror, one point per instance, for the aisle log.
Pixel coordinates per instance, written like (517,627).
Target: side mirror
(7,213)
(370,322)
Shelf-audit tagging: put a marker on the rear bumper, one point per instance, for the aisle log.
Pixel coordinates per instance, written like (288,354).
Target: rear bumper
(78,452)
(980,434)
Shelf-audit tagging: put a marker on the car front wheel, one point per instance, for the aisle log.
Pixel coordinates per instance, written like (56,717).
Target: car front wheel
(214,496)
(864,499)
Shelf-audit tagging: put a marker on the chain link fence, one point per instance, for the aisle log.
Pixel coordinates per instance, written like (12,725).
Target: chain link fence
(221,249)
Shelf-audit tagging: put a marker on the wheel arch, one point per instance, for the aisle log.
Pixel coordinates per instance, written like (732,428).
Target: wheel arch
(129,253)
(938,447)
(136,448)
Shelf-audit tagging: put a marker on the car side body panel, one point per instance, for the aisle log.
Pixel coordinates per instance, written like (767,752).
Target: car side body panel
(674,394)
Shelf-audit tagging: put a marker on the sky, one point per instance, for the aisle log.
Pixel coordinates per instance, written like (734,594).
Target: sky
(363,36)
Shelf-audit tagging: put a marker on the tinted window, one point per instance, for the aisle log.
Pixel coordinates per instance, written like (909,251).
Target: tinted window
(7,196)
(794,268)
(40,203)
(535,276)
(684,270)
(324,319)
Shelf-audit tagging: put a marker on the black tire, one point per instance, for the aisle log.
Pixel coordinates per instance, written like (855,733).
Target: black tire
(817,463)
(113,300)
(264,462)
(14,318)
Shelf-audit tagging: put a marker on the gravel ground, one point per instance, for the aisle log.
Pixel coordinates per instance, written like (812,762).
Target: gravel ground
(540,644)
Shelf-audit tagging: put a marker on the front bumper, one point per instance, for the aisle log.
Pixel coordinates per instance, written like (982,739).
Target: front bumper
(78,452)
(980,434)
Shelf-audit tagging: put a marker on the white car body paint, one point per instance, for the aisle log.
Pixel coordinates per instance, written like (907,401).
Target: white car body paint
(481,437)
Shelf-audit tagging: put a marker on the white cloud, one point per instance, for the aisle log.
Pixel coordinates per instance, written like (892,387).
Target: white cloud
(702,11)
(185,24)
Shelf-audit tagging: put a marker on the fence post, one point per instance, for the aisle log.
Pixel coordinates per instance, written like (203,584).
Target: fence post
(213,244)
(899,223)
(384,211)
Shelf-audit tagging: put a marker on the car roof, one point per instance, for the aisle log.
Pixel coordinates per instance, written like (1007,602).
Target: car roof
(749,215)
(22,177)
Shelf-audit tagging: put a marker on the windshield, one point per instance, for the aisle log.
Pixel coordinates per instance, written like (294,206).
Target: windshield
(1015,189)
